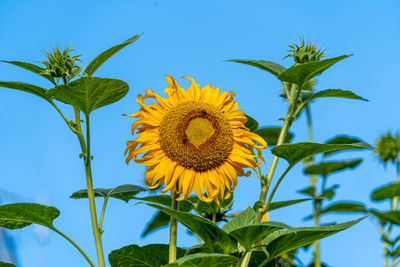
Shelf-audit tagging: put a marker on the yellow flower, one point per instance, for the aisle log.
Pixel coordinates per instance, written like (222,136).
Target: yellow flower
(193,140)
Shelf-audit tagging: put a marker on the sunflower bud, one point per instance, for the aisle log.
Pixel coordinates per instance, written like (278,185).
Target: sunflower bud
(303,53)
(61,64)
(387,147)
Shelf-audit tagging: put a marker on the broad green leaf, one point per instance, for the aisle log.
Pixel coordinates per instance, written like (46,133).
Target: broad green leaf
(90,93)
(205,248)
(389,191)
(104,56)
(344,207)
(309,191)
(5,264)
(26,87)
(246,217)
(19,215)
(258,258)
(328,167)
(343,139)
(282,241)
(154,255)
(271,135)
(124,192)
(282,204)
(334,93)
(205,260)
(301,73)
(159,220)
(165,200)
(273,68)
(204,208)
(294,153)
(251,123)
(33,68)
(249,234)
(387,217)
(205,229)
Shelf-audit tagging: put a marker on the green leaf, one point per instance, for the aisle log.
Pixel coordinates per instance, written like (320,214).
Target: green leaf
(389,191)
(246,217)
(205,229)
(33,68)
(343,139)
(282,241)
(204,208)
(294,153)
(329,192)
(205,260)
(5,264)
(104,56)
(271,135)
(344,207)
(308,191)
(273,68)
(328,167)
(249,234)
(205,248)
(124,192)
(26,87)
(165,200)
(258,258)
(301,73)
(159,220)
(334,93)
(154,255)
(251,123)
(282,204)
(20,215)
(90,93)
(387,217)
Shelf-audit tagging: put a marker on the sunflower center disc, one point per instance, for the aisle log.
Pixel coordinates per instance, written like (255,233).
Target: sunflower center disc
(196,135)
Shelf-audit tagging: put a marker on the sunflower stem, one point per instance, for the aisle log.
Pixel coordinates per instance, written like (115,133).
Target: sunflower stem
(173,230)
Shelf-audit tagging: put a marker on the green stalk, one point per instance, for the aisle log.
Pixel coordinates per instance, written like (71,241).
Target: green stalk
(103,210)
(173,230)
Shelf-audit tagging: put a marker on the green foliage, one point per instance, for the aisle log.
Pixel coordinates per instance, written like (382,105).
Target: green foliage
(282,204)
(104,56)
(294,153)
(205,260)
(271,135)
(392,217)
(204,228)
(246,217)
(344,207)
(124,192)
(343,139)
(26,87)
(257,259)
(5,264)
(385,192)
(251,123)
(89,93)
(33,68)
(326,168)
(387,147)
(160,219)
(282,241)
(20,215)
(154,255)
(301,73)
(273,68)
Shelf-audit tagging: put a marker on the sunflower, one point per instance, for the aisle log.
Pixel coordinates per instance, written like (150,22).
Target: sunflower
(193,140)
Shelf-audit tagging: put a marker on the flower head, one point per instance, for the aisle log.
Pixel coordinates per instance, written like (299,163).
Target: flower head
(303,53)
(193,140)
(387,147)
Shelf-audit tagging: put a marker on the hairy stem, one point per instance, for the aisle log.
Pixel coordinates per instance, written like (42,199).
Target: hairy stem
(173,230)
(103,210)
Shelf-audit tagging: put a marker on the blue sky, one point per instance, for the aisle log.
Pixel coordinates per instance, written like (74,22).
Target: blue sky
(39,156)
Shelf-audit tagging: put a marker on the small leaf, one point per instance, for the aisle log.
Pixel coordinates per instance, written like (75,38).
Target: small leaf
(282,241)
(387,217)
(326,168)
(294,153)
(329,192)
(309,191)
(26,87)
(124,192)
(33,68)
(301,73)
(154,255)
(104,56)
(246,217)
(282,204)
(388,191)
(207,230)
(90,93)
(160,219)
(344,207)
(205,260)
(5,264)
(334,93)
(20,215)
(273,68)
(271,135)
(251,123)
(343,139)
(165,200)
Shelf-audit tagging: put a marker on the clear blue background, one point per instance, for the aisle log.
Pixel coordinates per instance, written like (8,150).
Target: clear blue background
(39,155)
